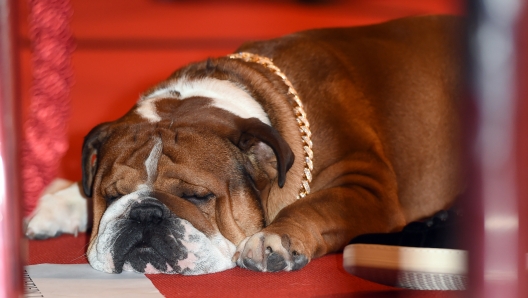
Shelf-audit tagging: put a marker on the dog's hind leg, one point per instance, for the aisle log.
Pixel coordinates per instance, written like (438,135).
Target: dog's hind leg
(63,211)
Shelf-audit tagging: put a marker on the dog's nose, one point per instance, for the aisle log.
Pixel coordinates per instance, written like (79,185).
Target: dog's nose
(148,211)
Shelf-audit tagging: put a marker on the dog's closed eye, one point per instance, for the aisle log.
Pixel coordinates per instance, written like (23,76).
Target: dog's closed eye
(111,195)
(112,198)
(198,198)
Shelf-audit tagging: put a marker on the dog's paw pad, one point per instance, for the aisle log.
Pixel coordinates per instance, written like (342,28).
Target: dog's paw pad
(275,262)
(42,235)
(269,252)
(249,264)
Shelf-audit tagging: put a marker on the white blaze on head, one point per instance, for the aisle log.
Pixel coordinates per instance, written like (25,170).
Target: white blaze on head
(224,94)
(151,164)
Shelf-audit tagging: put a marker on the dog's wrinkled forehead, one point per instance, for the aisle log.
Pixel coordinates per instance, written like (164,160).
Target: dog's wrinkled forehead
(197,121)
(179,159)
(210,105)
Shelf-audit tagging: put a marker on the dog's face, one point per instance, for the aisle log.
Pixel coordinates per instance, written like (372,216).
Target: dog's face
(178,194)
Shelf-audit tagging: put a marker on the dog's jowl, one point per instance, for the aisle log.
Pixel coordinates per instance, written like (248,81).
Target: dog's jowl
(275,155)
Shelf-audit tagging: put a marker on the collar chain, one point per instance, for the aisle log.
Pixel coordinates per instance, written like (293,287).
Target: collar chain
(300,116)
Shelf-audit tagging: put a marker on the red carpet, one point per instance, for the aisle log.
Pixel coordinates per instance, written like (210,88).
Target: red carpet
(125,46)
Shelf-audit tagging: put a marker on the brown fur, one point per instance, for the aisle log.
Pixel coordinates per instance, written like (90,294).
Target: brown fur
(382,104)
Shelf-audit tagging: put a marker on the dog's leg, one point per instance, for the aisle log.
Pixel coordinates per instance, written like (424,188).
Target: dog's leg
(316,225)
(64,211)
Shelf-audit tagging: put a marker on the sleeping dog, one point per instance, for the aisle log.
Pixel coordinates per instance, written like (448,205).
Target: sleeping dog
(274,155)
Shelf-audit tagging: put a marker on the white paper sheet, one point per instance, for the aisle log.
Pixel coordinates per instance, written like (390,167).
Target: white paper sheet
(53,280)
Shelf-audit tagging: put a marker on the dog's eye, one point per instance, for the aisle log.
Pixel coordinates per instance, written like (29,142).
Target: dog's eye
(111,193)
(195,198)
(111,199)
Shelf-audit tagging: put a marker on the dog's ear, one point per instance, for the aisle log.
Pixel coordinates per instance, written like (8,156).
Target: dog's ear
(90,154)
(251,131)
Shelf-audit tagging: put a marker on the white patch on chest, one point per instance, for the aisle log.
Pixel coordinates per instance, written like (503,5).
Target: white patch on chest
(224,94)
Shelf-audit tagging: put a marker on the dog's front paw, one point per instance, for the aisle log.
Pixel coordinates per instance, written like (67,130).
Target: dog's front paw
(62,212)
(270,252)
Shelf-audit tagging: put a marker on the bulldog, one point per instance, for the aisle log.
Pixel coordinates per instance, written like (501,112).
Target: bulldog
(275,155)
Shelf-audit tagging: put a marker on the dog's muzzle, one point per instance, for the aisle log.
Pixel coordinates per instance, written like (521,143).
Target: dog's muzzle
(139,233)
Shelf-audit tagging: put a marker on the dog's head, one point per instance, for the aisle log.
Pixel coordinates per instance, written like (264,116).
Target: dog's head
(177,183)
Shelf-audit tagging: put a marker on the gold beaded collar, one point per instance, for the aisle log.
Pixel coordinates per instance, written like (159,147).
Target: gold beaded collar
(300,116)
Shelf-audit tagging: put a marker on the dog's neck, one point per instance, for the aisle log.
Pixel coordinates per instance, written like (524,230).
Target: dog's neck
(300,116)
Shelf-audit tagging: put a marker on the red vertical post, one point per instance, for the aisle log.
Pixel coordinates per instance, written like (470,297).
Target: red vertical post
(10,191)
(498,225)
